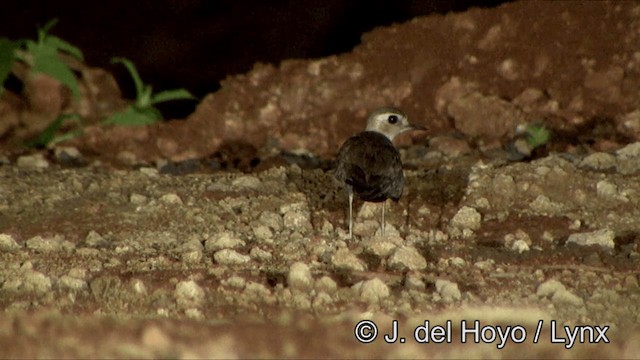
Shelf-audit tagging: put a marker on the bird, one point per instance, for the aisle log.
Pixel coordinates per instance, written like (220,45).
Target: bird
(369,164)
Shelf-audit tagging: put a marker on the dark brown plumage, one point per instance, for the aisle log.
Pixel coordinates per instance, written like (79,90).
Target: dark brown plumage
(369,164)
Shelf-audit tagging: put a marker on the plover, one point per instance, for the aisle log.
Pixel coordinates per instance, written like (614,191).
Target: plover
(369,164)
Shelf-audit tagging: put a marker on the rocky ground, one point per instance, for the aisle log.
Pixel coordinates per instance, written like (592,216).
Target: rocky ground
(124,246)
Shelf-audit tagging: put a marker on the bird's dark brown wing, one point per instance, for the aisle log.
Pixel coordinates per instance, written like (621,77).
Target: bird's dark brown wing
(371,165)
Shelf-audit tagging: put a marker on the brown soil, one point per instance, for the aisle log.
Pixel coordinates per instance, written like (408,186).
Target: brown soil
(224,235)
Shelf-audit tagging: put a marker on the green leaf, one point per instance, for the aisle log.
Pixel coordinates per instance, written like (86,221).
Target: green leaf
(537,135)
(62,45)
(45,58)
(47,62)
(44,31)
(37,49)
(66,136)
(56,43)
(131,68)
(7,57)
(27,56)
(134,116)
(48,135)
(170,95)
(144,99)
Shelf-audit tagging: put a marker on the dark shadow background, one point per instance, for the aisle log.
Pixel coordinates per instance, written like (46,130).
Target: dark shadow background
(196,43)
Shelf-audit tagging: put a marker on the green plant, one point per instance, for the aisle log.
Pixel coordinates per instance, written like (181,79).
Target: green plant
(43,56)
(7,57)
(143,111)
(49,136)
(537,135)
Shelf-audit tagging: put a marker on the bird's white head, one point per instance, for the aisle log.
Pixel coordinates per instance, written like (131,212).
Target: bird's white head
(390,121)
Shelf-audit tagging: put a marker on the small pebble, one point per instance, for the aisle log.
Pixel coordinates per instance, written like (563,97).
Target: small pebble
(8,243)
(407,258)
(604,238)
(171,199)
(72,283)
(606,190)
(372,291)
(192,257)
(520,246)
(94,239)
(33,161)
(52,244)
(195,314)
(466,218)
(247,181)
(189,294)
(326,284)
(299,277)
(448,290)
(599,161)
(344,259)
(223,240)
(272,220)
(549,287)
(230,257)
(260,254)
(137,199)
(262,233)
(68,155)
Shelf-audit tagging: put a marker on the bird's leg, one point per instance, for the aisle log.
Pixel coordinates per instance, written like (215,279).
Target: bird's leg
(350,214)
(382,222)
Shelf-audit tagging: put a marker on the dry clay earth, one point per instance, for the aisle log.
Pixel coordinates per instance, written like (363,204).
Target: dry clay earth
(105,262)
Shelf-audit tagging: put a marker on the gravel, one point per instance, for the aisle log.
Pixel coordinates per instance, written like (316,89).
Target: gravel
(549,287)
(372,291)
(189,294)
(272,220)
(520,246)
(299,277)
(407,258)
(223,240)
(72,283)
(118,262)
(122,243)
(464,222)
(8,243)
(326,285)
(599,161)
(33,161)
(230,257)
(558,293)
(603,238)
(171,199)
(448,290)
(344,259)
(30,282)
(49,244)
(246,182)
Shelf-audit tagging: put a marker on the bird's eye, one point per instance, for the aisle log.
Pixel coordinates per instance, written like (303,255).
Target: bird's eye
(392,119)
